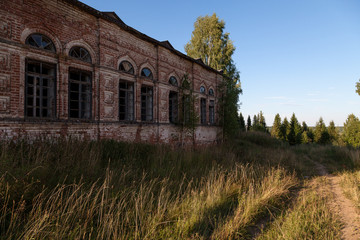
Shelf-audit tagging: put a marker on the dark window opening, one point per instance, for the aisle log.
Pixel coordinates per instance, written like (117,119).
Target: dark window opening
(146,103)
(173,107)
(80,53)
(173,81)
(212,112)
(126,101)
(145,72)
(186,106)
(126,66)
(40,87)
(211,92)
(202,89)
(79,94)
(203,110)
(40,41)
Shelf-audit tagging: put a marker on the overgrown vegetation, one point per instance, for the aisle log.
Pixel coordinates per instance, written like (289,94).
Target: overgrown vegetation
(71,189)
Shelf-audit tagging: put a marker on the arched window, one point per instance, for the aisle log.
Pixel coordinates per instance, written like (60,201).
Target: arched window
(145,72)
(202,89)
(126,66)
(80,53)
(173,81)
(211,92)
(40,41)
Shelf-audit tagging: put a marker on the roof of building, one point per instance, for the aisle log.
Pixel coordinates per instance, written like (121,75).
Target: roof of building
(114,18)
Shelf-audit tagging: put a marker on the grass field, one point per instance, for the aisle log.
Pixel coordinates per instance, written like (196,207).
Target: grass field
(253,187)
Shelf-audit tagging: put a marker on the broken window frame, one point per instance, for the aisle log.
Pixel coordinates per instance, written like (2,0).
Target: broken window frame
(40,41)
(146,98)
(80,97)
(146,72)
(37,105)
(203,110)
(80,53)
(126,67)
(212,112)
(173,106)
(126,100)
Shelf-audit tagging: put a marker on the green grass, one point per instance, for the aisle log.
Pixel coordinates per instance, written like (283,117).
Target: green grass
(71,189)
(310,217)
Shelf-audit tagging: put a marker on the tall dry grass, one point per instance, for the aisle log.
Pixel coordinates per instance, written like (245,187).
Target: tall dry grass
(71,189)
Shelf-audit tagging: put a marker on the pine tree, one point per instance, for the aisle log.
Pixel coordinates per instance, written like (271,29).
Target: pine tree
(242,123)
(321,134)
(248,124)
(276,128)
(213,46)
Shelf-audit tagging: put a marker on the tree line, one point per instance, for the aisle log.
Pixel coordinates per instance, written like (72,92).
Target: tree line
(295,133)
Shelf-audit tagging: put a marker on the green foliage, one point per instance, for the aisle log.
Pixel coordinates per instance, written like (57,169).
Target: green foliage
(210,43)
(358,87)
(276,128)
(188,116)
(242,123)
(248,124)
(351,133)
(214,47)
(294,132)
(284,129)
(259,123)
(321,134)
(333,134)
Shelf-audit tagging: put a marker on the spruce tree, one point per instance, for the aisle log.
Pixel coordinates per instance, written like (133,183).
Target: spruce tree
(321,134)
(333,134)
(284,129)
(276,128)
(262,122)
(248,124)
(242,123)
(304,126)
(351,133)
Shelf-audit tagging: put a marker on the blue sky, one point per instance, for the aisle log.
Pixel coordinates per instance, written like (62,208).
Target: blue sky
(299,56)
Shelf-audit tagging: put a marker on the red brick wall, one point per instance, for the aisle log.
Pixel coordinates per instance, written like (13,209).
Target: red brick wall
(108,44)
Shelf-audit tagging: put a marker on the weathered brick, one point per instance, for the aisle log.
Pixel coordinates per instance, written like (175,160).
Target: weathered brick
(70,23)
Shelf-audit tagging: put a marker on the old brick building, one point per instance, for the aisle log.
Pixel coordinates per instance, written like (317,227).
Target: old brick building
(67,69)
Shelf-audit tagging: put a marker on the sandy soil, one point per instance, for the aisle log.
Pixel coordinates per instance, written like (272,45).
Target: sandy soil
(342,206)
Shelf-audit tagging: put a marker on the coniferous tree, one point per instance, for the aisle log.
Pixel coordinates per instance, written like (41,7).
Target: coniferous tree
(284,129)
(213,46)
(333,134)
(321,134)
(351,133)
(276,128)
(304,126)
(262,122)
(248,124)
(242,123)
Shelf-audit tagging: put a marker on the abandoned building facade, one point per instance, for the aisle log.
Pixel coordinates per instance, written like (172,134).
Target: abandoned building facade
(67,69)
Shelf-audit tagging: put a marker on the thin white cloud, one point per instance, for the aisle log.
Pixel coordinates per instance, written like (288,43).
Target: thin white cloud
(276,98)
(317,100)
(291,104)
